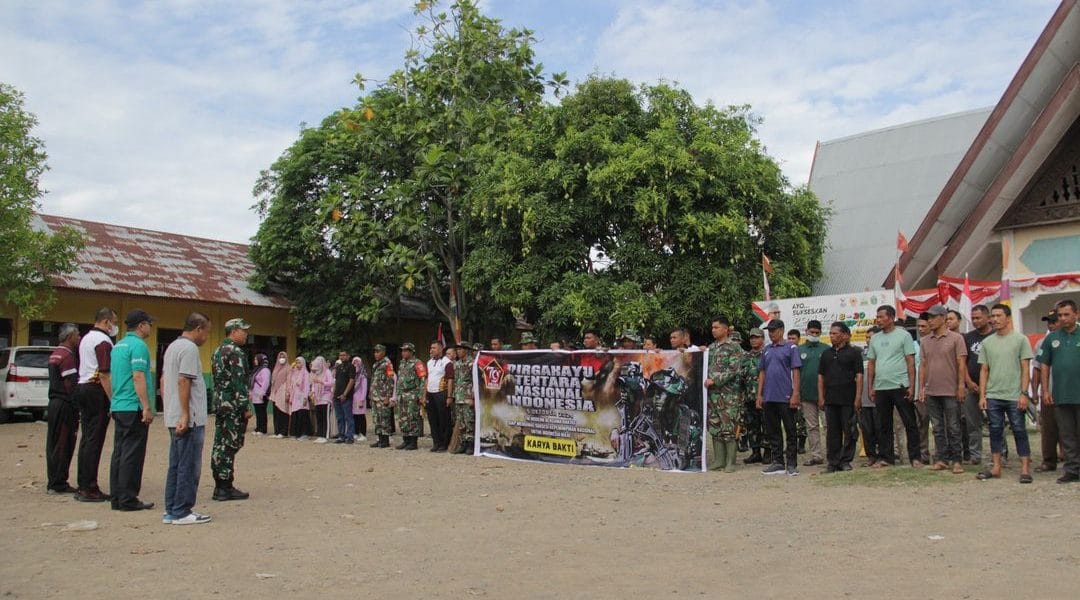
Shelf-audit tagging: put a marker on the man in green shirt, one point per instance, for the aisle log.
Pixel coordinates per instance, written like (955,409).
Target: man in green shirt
(891,371)
(810,353)
(1004,359)
(130,407)
(1060,356)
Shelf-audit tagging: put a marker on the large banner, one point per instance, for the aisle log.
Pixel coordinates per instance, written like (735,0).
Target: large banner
(616,408)
(857,310)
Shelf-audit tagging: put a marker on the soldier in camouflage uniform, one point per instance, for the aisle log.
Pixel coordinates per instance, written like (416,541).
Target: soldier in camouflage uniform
(382,398)
(410,387)
(464,415)
(232,408)
(725,385)
(753,418)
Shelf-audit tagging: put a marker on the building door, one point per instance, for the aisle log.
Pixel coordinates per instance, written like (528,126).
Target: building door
(164,338)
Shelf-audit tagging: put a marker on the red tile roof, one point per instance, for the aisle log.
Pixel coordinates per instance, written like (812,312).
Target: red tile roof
(126,260)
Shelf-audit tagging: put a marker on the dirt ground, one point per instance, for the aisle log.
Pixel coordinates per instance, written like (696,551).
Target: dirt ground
(352,521)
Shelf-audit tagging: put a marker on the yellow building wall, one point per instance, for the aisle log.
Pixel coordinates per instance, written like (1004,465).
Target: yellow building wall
(79,307)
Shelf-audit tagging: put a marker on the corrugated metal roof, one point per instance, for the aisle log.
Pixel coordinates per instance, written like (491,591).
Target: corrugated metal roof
(880,182)
(127,260)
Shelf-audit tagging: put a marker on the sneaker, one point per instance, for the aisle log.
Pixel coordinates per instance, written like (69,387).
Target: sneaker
(166,518)
(321,440)
(792,472)
(773,469)
(256,433)
(303,438)
(192,519)
(361,438)
(279,436)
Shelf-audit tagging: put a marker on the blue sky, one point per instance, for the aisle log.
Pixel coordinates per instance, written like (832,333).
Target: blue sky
(161,114)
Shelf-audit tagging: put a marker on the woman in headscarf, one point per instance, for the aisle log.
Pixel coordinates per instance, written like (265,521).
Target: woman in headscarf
(359,404)
(322,388)
(279,395)
(260,391)
(299,395)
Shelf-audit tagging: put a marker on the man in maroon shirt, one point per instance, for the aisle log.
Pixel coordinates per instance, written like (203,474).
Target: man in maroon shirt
(63,413)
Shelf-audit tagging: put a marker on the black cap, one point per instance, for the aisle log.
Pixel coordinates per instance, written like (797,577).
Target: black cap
(813,324)
(137,316)
(1050,317)
(774,324)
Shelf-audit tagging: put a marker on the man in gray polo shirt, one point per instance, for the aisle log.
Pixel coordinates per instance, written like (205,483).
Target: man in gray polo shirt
(183,391)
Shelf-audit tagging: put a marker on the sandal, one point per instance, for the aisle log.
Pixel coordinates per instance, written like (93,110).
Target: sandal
(984,475)
(1025,478)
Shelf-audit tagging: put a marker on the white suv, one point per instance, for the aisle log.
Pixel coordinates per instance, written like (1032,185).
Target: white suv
(24,380)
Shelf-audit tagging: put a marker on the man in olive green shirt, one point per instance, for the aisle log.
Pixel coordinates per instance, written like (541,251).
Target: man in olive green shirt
(812,406)
(1060,356)
(1004,359)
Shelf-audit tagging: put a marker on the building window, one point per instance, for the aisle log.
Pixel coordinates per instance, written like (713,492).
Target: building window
(6,337)
(46,333)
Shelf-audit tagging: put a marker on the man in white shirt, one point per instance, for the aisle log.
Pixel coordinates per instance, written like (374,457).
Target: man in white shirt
(440,379)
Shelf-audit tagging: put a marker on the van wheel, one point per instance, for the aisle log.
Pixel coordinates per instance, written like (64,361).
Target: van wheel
(5,415)
(38,414)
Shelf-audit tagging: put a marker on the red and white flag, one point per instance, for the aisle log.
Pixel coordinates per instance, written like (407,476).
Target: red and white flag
(766,268)
(901,242)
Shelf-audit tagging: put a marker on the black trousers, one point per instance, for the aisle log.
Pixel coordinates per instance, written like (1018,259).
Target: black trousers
(128,456)
(841,434)
(60,441)
(438,414)
(777,414)
(94,406)
(300,423)
(360,424)
(886,400)
(281,421)
(869,425)
(1068,421)
(260,417)
(320,420)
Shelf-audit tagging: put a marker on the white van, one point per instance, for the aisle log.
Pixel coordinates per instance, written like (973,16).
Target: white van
(24,380)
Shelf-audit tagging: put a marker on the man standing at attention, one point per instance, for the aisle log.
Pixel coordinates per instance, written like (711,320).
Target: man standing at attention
(839,383)
(1059,355)
(778,395)
(943,362)
(411,386)
(383,380)
(183,391)
(891,370)
(753,418)
(1048,431)
(970,415)
(1003,389)
(464,398)
(63,413)
(810,355)
(344,379)
(232,408)
(95,385)
(725,395)
(439,396)
(130,406)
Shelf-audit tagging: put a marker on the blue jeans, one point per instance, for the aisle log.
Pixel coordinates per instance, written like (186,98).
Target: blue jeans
(345,425)
(996,411)
(945,415)
(185,467)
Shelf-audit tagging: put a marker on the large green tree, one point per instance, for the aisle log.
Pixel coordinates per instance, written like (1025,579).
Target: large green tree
(29,254)
(373,203)
(635,207)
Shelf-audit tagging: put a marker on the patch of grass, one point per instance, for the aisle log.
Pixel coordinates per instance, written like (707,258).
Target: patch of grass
(892,477)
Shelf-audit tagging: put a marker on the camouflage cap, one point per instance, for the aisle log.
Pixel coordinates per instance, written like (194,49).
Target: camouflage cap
(736,336)
(409,346)
(477,347)
(528,338)
(379,348)
(757,332)
(630,334)
(237,323)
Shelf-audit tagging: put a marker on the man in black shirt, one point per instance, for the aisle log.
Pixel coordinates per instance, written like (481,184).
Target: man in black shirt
(970,414)
(344,376)
(839,382)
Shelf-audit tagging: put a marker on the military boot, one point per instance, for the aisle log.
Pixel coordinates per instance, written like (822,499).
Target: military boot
(410,443)
(732,454)
(404,445)
(754,458)
(460,449)
(377,443)
(224,490)
(384,441)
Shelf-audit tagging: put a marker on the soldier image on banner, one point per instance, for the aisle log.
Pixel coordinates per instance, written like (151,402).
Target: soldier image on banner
(412,375)
(232,408)
(615,408)
(381,394)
